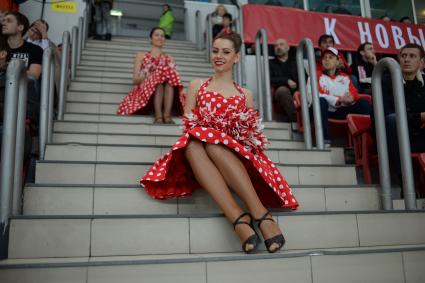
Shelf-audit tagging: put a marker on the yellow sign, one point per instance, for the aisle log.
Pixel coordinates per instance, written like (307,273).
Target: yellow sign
(64,6)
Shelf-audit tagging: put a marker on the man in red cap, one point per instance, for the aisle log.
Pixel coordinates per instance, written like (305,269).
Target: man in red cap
(338,95)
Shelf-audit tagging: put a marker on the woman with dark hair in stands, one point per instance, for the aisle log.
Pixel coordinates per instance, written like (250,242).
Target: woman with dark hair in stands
(222,150)
(154,75)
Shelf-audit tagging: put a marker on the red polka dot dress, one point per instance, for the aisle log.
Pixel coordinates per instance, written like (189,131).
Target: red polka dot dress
(157,70)
(225,121)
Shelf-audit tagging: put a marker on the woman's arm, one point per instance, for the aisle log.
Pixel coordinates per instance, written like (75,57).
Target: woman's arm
(191,96)
(249,98)
(137,76)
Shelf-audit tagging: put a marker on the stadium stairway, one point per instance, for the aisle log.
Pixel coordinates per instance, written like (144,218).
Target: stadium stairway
(86,219)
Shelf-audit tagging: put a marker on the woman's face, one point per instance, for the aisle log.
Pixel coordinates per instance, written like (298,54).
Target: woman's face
(165,8)
(223,55)
(221,10)
(158,38)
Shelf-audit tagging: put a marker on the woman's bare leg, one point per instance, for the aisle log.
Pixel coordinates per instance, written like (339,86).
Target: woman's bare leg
(209,177)
(237,178)
(168,102)
(157,103)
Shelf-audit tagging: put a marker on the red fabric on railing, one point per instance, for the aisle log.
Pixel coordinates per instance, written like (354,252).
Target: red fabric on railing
(349,31)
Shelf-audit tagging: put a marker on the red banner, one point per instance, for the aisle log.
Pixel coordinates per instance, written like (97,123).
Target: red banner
(348,31)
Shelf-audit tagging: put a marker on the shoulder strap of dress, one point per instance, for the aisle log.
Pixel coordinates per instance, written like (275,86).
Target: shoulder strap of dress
(239,88)
(205,84)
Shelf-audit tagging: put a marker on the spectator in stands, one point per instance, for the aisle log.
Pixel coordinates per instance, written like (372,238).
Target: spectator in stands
(103,19)
(284,79)
(217,19)
(37,34)
(15,25)
(167,21)
(385,18)
(406,20)
(363,68)
(411,58)
(156,80)
(227,25)
(325,41)
(338,96)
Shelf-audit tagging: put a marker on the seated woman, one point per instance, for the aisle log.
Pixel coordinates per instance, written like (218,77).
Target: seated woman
(338,95)
(154,74)
(222,150)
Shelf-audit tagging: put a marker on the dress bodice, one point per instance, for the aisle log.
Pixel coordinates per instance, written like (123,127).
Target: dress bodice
(151,63)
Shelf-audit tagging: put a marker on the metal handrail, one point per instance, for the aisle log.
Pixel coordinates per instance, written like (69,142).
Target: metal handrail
(198,25)
(80,38)
(238,5)
(402,133)
(86,25)
(74,51)
(12,144)
(209,35)
(263,75)
(63,86)
(46,101)
(308,44)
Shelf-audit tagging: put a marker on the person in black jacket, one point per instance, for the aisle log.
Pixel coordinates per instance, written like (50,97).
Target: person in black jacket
(363,68)
(284,79)
(411,58)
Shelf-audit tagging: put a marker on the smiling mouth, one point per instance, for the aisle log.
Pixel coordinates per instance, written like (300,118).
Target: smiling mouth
(219,63)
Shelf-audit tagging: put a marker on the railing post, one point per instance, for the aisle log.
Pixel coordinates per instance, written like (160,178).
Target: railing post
(85,24)
(45,100)
(209,39)
(74,51)
(64,75)
(198,23)
(51,100)
(402,133)
(80,39)
(240,31)
(16,81)
(263,75)
(308,44)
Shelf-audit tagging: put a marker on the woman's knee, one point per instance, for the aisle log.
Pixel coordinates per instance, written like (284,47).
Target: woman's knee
(159,88)
(216,150)
(194,148)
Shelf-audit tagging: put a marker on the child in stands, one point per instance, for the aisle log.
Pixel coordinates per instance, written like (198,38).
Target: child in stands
(338,95)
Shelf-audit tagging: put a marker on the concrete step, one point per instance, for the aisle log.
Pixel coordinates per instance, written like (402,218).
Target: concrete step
(79,236)
(199,56)
(193,67)
(100,73)
(131,128)
(45,199)
(103,53)
(138,139)
(391,264)
(132,48)
(121,153)
(126,79)
(87,117)
(131,41)
(180,61)
(125,173)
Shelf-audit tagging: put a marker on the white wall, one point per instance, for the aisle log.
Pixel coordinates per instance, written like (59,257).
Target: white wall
(58,22)
(205,9)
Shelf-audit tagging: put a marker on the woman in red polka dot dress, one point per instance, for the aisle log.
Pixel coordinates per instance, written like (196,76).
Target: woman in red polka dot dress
(222,150)
(154,75)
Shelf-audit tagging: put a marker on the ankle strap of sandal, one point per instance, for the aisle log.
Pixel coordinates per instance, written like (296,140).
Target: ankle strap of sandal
(239,221)
(264,217)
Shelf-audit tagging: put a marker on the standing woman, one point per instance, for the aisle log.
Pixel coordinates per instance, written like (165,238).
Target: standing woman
(217,19)
(166,21)
(154,74)
(222,150)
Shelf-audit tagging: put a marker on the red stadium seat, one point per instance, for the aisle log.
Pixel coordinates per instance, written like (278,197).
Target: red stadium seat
(364,152)
(337,127)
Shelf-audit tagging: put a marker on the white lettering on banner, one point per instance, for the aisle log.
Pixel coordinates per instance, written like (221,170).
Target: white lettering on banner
(412,38)
(421,35)
(398,37)
(330,29)
(382,35)
(365,35)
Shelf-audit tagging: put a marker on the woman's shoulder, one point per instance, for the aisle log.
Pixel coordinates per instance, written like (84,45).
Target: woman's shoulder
(140,55)
(196,83)
(247,92)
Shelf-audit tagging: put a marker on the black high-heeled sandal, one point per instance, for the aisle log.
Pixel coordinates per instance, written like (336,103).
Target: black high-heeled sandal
(254,239)
(278,239)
